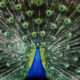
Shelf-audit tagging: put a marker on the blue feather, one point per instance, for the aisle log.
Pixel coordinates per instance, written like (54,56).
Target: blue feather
(37,69)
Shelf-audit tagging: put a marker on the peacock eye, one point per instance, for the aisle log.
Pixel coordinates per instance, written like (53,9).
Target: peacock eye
(62,8)
(18,7)
(38,21)
(8,64)
(75,58)
(60,55)
(49,13)
(33,45)
(2,4)
(7,34)
(69,35)
(25,25)
(29,13)
(67,21)
(78,8)
(53,26)
(24,38)
(43,44)
(67,47)
(10,45)
(39,2)
(11,20)
(52,50)
(34,34)
(66,65)
(53,38)
(77,70)
(42,33)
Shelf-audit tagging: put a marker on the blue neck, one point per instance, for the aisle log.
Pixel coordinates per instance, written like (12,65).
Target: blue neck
(37,69)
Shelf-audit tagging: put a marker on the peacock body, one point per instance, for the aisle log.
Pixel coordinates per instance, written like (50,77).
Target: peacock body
(40,38)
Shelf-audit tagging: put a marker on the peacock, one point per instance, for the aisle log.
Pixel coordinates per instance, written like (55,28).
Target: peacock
(40,39)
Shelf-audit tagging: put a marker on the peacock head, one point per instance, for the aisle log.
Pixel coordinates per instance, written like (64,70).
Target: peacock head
(37,42)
